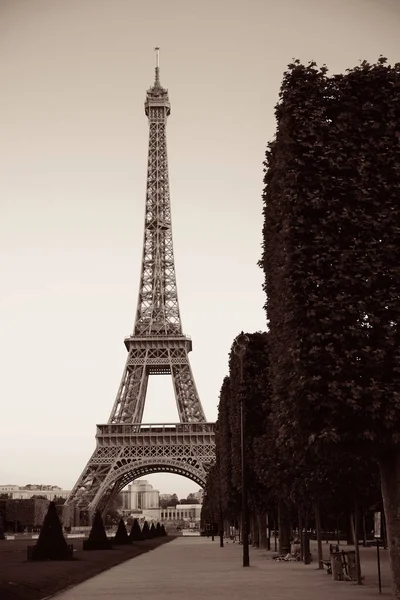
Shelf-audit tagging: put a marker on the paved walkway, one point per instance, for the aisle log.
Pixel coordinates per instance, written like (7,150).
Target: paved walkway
(197,569)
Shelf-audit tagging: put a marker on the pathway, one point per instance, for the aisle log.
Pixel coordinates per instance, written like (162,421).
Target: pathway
(197,569)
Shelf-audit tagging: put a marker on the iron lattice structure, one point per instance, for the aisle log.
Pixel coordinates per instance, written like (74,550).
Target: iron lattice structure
(126,448)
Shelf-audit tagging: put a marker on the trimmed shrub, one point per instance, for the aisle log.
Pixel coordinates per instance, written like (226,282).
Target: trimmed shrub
(51,544)
(153,532)
(136,532)
(121,537)
(98,539)
(146,531)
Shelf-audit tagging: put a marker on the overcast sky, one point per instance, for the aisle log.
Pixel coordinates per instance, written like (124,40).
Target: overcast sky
(73,151)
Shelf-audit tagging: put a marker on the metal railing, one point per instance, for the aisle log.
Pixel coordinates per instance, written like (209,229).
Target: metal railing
(155,428)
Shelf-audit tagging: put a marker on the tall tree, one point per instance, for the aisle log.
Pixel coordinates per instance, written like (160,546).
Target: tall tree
(332,269)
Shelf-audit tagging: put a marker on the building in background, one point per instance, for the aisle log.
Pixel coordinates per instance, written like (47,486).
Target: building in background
(186,515)
(141,500)
(25,492)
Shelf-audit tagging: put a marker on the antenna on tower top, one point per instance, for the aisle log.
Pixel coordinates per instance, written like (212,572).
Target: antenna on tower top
(157,51)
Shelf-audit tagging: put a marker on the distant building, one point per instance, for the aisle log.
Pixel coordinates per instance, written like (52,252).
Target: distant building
(8,489)
(188,513)
(141,500)
(18,492)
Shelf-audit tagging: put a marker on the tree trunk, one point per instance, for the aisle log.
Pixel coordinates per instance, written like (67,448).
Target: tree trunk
(364,530)
(349,530)
(390,480)
(255,540)
(300,525)
(262,528)
(354,523)
(275,537)
(221,527)
(319,535)
(337,531)
(268,517)
(284,527)
(384,530)
(306,541)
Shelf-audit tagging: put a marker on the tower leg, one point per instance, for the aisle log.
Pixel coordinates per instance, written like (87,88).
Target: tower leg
(109,500)
(187,398)
(129,404)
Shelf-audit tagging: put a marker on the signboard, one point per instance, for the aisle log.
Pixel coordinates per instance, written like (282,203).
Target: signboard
(377,525)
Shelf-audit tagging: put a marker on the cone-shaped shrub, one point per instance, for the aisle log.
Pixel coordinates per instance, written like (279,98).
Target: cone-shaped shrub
(163,530)
(153,532)
(136,533)
(158,530)
(51,544)
(146,531)
(98,539)
(121,537)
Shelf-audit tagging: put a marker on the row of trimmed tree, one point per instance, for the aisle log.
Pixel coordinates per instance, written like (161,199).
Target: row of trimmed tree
(321,389)
(98,539)
(52,545)
(288,487)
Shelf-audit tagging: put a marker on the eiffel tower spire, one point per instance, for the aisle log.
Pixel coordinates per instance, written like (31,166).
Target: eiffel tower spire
(157,78)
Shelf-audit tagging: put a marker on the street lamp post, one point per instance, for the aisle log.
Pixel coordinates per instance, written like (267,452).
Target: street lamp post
(239,349)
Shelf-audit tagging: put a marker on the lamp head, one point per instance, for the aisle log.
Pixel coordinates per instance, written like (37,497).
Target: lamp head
(242,340)
(239,350)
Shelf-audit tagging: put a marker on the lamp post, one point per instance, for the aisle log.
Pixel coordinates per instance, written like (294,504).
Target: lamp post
(239,349)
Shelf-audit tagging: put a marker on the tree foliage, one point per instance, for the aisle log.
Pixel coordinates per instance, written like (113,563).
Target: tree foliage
(224,483)
(331,259)
(332,255)
(321,388)
(2,536)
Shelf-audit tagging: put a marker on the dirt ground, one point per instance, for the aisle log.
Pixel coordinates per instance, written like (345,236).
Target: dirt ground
(23,580)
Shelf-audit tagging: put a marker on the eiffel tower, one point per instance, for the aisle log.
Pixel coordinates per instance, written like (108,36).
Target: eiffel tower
(125,447)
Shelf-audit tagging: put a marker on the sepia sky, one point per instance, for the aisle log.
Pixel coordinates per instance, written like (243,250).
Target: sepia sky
(73,152)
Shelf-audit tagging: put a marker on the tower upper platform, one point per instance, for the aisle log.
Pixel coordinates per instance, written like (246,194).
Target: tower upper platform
(157,96)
